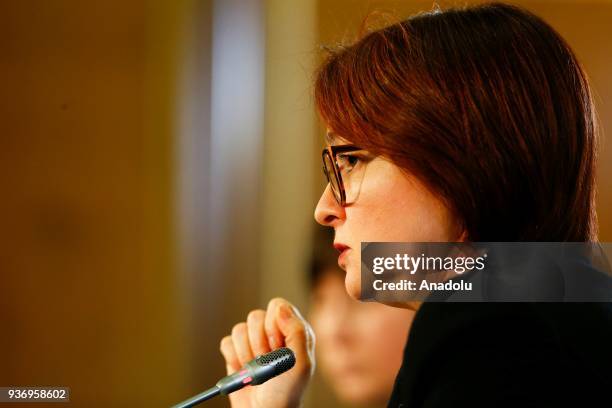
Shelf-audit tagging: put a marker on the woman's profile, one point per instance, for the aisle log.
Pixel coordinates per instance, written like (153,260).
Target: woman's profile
(466,124)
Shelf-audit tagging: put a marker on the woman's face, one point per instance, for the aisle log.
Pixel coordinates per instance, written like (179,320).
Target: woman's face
(391,206)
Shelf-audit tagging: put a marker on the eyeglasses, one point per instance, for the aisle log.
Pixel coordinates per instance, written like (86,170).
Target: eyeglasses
(344,169)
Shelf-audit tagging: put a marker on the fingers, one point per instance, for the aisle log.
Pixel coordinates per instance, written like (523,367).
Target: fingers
(240,338)
(229,354)
(284,323)
(273,332)
(281,324)
(298,334)
(247,340)
(257,333)
(283,319)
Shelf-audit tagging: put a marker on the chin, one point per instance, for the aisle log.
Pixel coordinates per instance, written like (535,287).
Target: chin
(352,283)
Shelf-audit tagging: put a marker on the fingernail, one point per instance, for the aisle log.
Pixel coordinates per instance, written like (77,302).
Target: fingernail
(284,312)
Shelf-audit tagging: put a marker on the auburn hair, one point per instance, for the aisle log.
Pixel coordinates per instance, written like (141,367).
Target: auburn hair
(487,106)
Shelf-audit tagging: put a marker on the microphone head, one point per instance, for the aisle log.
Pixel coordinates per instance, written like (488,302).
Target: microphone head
(282,359)
(258,371)
(271,364)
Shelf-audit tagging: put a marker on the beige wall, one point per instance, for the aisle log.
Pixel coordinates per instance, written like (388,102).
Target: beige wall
(88,295)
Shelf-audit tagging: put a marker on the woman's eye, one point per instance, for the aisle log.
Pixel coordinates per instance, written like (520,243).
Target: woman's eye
(348,162)
(352,160)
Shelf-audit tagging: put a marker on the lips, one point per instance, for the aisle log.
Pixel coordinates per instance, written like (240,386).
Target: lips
(340,247)
(343,249)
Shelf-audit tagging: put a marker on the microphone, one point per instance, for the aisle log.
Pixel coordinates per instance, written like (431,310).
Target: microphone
(255,372)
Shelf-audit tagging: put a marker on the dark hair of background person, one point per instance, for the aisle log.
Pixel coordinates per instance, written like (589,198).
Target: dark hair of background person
(487,106)
(324,258)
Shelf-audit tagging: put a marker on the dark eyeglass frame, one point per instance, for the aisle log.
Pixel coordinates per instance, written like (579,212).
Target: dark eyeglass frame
(332,152)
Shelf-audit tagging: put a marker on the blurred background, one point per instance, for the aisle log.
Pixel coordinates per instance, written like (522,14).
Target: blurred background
(160,165)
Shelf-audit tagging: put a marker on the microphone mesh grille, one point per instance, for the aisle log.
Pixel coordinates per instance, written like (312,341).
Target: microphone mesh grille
(282,358)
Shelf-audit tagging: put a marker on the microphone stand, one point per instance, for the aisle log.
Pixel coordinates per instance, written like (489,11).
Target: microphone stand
(196,399)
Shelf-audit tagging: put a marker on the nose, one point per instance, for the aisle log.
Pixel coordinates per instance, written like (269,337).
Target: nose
(328,212)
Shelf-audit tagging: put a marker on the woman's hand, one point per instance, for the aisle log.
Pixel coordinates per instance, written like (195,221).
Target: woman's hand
(266,330)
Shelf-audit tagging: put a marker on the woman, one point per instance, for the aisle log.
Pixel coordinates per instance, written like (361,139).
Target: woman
(471,124)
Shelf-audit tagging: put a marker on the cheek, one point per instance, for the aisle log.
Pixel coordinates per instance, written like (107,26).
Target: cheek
(397,208)
(392,207)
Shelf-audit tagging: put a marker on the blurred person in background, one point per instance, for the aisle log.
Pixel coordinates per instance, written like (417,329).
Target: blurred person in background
(359,344)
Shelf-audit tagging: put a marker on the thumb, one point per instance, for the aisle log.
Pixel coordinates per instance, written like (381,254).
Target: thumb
(298,334)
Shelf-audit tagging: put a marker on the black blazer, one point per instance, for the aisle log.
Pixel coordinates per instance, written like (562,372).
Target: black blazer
(507,355)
